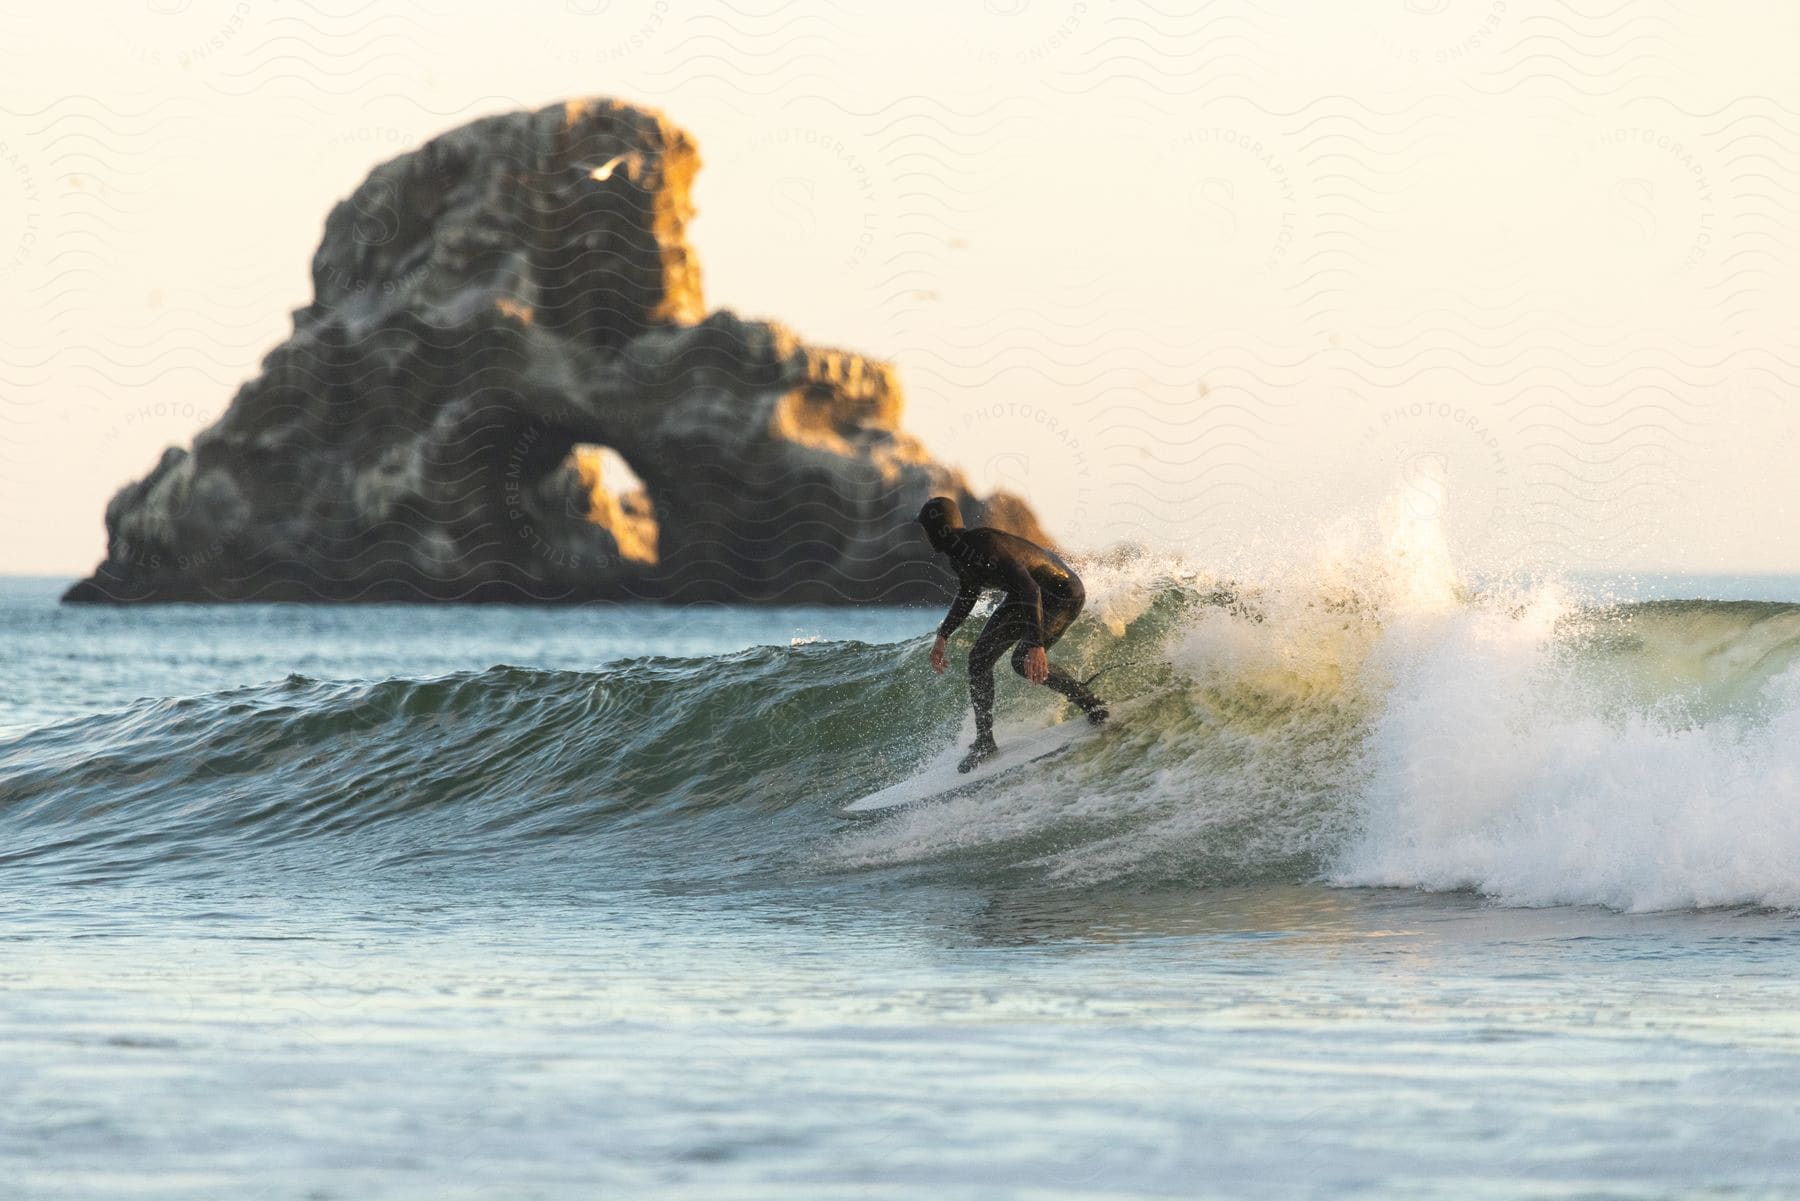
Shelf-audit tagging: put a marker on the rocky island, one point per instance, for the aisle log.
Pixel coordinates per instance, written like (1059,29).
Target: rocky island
(491,313)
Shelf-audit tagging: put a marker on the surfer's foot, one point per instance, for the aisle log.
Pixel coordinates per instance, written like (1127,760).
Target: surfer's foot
(980,751)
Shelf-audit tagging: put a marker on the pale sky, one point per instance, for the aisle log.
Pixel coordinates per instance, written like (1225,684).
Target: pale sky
(1203,279)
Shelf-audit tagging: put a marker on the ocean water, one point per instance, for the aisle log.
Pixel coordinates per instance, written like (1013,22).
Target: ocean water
(1384,887)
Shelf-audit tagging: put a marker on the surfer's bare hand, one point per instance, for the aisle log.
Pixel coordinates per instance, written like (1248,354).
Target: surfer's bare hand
(1037,665)
(938,662)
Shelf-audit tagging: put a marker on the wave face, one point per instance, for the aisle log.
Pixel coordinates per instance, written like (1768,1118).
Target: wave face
(507,765)
(1639,756)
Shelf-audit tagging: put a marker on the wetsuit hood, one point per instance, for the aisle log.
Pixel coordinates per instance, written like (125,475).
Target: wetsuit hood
(942,519)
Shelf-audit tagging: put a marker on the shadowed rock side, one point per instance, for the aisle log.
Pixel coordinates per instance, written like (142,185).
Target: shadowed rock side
(489,312)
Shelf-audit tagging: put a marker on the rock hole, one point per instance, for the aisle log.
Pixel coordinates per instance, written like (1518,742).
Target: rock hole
(617,500)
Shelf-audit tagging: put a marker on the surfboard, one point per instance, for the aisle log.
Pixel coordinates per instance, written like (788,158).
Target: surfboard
(939,778)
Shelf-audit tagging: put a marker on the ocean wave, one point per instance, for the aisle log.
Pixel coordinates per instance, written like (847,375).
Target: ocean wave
(1363,727)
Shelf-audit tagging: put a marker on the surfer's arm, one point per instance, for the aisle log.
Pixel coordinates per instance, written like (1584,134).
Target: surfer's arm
(967,594)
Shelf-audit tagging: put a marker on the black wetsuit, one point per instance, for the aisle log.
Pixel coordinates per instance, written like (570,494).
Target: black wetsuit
(1043,598)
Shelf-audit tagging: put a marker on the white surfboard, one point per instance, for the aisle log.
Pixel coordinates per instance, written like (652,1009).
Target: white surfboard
(939,778)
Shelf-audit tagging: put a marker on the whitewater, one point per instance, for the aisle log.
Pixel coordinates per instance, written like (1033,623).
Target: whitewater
(1391,881)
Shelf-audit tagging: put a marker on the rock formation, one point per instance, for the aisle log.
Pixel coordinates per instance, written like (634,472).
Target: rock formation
(489,311)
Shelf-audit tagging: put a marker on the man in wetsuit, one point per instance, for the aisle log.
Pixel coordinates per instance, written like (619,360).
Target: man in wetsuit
(1043,597)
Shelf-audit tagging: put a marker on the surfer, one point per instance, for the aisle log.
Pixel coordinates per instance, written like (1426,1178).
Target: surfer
(1043,598)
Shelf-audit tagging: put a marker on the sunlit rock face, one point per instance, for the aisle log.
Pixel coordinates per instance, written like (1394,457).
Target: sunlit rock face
(488,311)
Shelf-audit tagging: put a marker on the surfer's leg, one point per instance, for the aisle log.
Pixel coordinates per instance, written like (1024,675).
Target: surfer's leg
(1061,681)
(1077,692)
(1001,631)
(1058,617)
